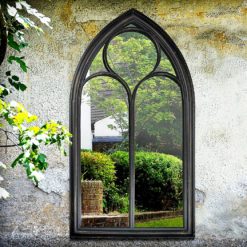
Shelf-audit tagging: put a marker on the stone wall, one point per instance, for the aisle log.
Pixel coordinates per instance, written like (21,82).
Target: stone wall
(122,220)
(144,216)
(105,221)
(212,37)
(92,197)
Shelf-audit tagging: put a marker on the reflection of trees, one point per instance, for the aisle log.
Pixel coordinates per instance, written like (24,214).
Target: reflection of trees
(109,96)
(159,116)
(158,101)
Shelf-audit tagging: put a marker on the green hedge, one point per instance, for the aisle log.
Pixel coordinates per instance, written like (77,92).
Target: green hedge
(158,179)
(99,166)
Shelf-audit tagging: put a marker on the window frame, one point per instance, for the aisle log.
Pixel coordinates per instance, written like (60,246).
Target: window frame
(157,34)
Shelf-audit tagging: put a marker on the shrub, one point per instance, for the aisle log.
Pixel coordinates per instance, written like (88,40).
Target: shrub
(158,179)
(116,201)
(99,166)
(121,160)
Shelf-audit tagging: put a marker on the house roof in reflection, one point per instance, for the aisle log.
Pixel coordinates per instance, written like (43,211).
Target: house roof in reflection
(96,114)
(101,139)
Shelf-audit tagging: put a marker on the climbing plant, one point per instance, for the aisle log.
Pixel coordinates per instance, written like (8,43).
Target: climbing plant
(16,123)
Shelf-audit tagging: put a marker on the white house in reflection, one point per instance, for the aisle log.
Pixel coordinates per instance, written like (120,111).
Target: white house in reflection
(94,126)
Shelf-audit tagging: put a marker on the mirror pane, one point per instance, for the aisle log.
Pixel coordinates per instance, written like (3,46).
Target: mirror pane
(159,153)
(165,64)
(97,64)
(132,56)
(104,137)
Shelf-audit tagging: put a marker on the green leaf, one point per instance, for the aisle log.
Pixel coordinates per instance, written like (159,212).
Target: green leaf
(17,85)
(9,120)
(10,81)
(42,162)
(12,43)
(8,73)
(22,86)
(5,91)
(17,160)
(42,166)
(41,158)
(15,78)
(19,60)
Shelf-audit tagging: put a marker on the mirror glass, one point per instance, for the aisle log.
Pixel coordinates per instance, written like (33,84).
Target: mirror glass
(158,155)
(165,64)
(132,56)
(104,140)
(158,144)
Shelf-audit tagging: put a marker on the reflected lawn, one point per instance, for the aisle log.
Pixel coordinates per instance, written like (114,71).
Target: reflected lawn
(168,222)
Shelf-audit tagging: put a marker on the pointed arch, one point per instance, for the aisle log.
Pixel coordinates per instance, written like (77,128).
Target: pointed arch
(135,21)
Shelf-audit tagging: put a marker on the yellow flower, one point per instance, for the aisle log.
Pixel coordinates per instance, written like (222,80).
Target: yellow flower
(35,129)
(52,126)
(31,118)
(20,117)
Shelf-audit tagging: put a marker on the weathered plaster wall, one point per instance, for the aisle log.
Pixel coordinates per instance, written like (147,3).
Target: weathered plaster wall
(212,36)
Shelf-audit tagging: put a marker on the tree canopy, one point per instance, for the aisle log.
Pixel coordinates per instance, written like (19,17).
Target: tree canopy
(158,104)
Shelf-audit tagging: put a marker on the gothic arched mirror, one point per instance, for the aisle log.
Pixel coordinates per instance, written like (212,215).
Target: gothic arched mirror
(132,120)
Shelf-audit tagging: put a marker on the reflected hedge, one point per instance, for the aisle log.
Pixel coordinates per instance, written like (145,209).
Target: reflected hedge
(158,179)
(100,166)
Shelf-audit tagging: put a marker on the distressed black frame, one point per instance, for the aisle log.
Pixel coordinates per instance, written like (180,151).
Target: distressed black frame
(162,41)
(3,39)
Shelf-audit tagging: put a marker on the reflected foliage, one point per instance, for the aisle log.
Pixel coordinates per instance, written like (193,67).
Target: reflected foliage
(158,129)
(159,102)
(109,96)
(159,116)
(99,166)
(132,56)
(158,179)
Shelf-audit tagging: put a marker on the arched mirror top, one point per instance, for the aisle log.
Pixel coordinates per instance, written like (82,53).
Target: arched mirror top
(134,21)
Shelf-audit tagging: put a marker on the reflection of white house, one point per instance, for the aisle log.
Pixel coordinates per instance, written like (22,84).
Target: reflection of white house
(94,126)
(86,133)
(101,128)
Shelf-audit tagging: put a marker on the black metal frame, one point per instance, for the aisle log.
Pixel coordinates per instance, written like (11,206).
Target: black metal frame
(3,39)
(162,42)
